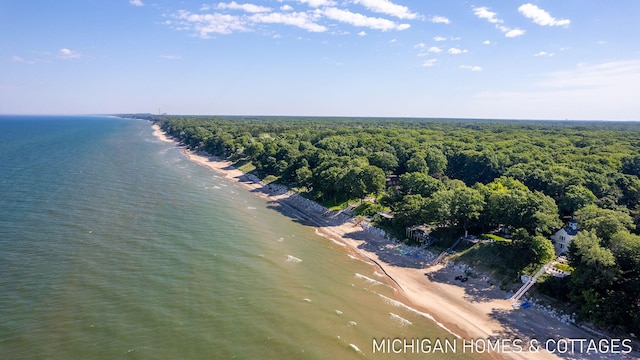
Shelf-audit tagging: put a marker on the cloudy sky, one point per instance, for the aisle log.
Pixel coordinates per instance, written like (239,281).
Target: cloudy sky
(549,59)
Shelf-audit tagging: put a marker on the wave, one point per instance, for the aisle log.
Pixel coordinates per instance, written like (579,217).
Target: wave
(293,259)
(355,348)
(418,312)
(370,280)
(402,321)
(327,237)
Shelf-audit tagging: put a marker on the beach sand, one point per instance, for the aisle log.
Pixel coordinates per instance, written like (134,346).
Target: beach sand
(472,310)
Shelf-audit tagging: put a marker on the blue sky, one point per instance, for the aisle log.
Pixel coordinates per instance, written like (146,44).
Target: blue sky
(550,59)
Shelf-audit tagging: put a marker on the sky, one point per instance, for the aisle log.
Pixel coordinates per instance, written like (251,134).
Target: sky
(525,59)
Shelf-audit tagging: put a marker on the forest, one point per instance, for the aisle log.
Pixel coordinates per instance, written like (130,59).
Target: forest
(526,178)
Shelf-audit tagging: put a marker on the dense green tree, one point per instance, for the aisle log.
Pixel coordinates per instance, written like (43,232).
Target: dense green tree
(629,186)
(417,163)
(542,249)
(436,161)
(574,198)
(304,176)
(631,165)
(456,207)
(603,222)
(474,166)
(419,183)
(386,161)
(254,150)
(361,181)
(534,250)
(592,283)
(543,212)
(328,177)
(410,211)
(511,203)
(466,206)
(437,209)
(374,179)
(626,249)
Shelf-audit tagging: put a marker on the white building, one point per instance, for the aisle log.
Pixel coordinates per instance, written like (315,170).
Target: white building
(563,237)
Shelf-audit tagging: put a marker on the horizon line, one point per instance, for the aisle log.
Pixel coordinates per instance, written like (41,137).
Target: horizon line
(325,116)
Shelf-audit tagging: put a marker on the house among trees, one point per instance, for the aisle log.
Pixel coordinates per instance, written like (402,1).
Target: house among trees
(420,233)
(393,181)
(563,237)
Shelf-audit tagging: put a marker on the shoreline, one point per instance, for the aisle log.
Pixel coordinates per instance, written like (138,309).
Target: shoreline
(470,310)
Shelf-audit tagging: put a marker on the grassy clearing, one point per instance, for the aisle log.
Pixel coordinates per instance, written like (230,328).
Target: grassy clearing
(332,205)
(269,179)
(245,166)
(563,267)
(494,237)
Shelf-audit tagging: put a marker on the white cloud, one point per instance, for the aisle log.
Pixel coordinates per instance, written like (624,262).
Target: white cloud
(456,51)
(171,57)
(362,33)
(65,53)
(540,16)
(318,3)
(470,67)
(250,8)
(484,13)
(429,62)
(136,2)
(439,38)
(299,19)
(543,53)
(432,49)
(439,20)
(513,32)
(356,19)
(205,24)
(387,7)
(486,42)
(492,17)
(19,59)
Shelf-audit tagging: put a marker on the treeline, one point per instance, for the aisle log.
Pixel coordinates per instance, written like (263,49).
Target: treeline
(470,175)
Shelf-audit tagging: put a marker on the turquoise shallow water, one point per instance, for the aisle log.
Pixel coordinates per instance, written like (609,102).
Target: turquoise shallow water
(114,246)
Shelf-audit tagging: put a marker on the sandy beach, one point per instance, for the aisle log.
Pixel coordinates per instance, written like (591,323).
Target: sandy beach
(473,310)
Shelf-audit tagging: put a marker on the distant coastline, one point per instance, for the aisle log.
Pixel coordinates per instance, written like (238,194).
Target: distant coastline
(431,292)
